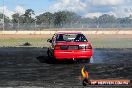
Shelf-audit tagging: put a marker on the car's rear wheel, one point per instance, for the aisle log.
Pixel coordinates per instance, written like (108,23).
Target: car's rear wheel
(48,53)
(53,59)
(87,60)
(84,60)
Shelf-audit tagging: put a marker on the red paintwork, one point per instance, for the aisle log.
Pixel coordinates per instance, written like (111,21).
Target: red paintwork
(70,54)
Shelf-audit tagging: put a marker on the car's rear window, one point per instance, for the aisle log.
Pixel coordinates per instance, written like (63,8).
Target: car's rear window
(71,38)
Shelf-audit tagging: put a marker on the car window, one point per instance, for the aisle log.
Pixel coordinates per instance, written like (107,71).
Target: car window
(71,38)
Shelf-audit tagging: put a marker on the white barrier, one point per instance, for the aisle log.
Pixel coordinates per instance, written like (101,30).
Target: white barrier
(52,32)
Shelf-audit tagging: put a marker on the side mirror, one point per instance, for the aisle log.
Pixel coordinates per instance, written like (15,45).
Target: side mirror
(49,40)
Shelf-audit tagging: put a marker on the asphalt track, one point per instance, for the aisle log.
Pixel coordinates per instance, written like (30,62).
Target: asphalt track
(31,67)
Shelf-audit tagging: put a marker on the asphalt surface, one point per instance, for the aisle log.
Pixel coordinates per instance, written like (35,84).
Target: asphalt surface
(31,67)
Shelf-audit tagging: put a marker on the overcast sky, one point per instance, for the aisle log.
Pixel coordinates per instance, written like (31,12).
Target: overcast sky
(85,8)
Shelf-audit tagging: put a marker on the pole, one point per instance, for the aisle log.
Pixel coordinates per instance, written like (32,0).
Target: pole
(98,20)
(35,24)
(3,16)
(18,23)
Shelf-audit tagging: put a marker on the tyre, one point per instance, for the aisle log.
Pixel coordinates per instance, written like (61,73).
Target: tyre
(87,60)
(48,53)
(51,58)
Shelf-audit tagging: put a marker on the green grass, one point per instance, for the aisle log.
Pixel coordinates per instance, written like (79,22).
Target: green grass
(41,42)
(111,42)
(12,42)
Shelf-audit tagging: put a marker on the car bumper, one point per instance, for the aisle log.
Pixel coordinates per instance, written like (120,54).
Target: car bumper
(74,54)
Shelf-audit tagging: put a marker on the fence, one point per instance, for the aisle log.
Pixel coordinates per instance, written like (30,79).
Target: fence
(70,26)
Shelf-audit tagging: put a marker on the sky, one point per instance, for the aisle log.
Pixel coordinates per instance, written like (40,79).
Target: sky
(85,8)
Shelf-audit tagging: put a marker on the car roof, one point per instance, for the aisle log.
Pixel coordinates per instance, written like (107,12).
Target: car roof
(68,33)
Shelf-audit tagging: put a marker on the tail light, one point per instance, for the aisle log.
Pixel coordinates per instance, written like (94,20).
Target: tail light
(57,47)
(85,46)
(88,47)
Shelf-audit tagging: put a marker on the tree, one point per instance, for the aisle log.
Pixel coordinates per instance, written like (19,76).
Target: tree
(72,17)
(28,16)
(126,20)
(6,19)
(46,18)
(59,18)
(65,17)
(29,13)
(106,18)
(15,17)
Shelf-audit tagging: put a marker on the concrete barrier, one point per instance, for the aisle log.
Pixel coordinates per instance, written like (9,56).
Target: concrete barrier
(84,32)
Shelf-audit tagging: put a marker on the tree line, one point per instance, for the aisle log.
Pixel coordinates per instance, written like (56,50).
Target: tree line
(60,18)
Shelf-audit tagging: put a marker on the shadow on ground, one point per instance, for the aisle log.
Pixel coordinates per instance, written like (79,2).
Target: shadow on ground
(45,59)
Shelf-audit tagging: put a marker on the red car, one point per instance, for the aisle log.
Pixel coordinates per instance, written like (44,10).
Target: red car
(73,45)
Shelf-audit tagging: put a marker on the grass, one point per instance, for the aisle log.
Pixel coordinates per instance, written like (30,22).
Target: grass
(13,42)
(111,43)
(97,42)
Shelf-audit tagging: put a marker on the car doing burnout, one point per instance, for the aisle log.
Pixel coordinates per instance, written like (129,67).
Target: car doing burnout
(72,45)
